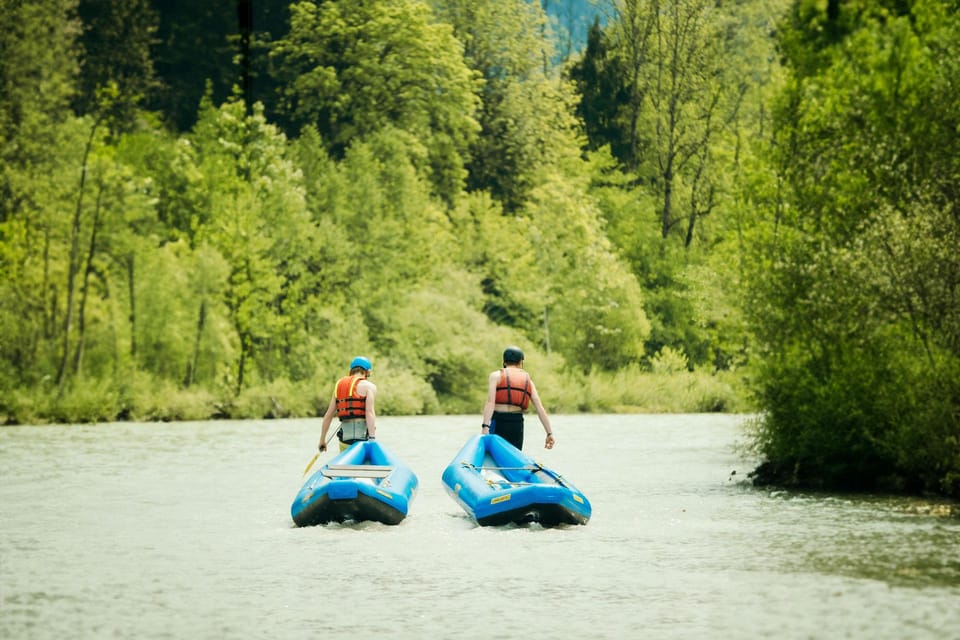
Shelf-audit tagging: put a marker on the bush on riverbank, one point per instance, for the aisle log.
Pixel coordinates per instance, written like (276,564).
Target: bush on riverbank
(852,275)
(862,419)
(145,399)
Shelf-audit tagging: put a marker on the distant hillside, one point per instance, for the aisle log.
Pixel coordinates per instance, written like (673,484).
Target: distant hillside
(571,19)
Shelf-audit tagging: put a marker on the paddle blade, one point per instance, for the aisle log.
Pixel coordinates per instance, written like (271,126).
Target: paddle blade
(312,460)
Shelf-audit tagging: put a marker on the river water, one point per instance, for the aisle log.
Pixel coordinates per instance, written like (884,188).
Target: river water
(183,530)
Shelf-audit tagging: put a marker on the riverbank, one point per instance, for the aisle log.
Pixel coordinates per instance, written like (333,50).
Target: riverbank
(142,399)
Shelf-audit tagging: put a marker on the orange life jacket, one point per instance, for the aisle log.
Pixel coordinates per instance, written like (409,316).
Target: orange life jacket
(514,387)
(350,405)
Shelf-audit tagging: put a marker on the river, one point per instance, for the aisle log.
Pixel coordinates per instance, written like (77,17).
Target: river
(183,530)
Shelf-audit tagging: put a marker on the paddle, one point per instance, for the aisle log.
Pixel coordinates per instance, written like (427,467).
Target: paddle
(317,454)
(310,464)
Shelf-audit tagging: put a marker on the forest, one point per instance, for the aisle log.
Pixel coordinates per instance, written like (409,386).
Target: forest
(671,205)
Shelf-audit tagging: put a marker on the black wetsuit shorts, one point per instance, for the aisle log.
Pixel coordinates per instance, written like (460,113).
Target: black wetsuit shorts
(508,426)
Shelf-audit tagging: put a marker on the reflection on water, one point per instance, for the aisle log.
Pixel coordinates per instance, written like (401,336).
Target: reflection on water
(184,530)
(904,542)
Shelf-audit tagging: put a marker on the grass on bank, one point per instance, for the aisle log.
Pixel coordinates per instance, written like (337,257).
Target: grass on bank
(144,399)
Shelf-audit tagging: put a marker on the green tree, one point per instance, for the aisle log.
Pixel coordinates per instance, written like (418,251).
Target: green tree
(195,46)
(603,90)
(663,87)
(537,244)
(856,266)
(38,172)
(679,101)
(611,78)
(116,41)
(507,43)
(218,47)
(352,69)
(258,221)
(594,304)
(38,70)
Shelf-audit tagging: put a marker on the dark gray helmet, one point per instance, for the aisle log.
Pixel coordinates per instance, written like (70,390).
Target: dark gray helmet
(512,354)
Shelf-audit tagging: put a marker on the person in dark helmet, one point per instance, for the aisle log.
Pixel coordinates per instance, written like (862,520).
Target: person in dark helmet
(353,402)
(510,391)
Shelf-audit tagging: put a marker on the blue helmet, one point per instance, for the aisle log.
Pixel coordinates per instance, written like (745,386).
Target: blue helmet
(361,362)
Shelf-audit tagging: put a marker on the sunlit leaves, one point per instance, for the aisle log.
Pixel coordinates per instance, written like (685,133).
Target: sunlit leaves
(257,219)
(592,304)
(506,44)
(856,311)
(355,68)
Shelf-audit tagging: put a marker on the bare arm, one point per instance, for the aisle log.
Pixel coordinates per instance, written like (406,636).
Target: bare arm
(542,414)
(327,419)
(491,400)
(371,411)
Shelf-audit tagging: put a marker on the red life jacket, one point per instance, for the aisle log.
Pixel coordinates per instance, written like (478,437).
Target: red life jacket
(514,387)
(350,405)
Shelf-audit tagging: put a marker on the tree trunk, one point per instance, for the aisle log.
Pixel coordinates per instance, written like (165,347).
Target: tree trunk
(241,366)
(73,266)
(667,212)
(131,259)
(85,287)
(195,357)
(245,28)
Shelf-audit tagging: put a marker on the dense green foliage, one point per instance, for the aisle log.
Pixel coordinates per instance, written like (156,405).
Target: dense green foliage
(400,179)
(673,91)
(208,208)
(854,267)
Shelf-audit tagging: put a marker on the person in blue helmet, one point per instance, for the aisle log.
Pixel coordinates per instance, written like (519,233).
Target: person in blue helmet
(353,401)
(510,390)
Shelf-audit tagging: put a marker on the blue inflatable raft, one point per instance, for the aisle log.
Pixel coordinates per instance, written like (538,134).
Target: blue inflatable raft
(365,482)
(498,484)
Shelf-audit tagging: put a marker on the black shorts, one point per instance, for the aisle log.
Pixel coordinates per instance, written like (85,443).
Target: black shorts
(508,426)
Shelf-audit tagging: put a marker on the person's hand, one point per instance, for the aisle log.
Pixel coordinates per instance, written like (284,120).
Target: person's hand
(549,442)
(323,447)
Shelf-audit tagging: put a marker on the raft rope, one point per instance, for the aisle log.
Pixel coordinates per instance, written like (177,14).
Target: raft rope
(535,468)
